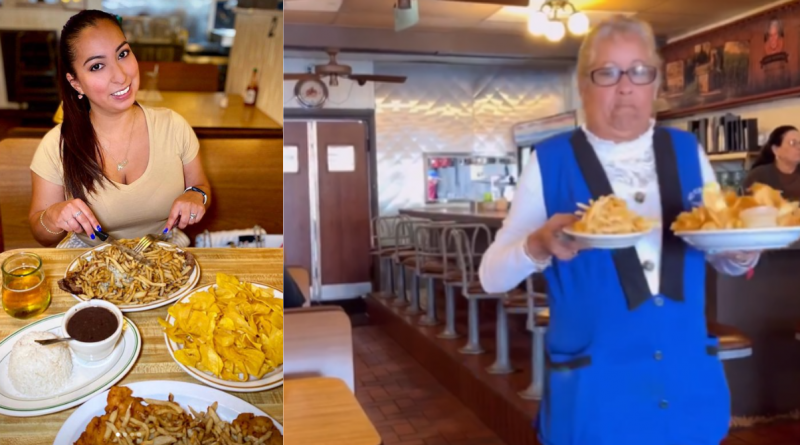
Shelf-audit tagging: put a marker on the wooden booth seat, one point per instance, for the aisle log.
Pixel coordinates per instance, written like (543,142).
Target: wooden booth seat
(246,177)
(319,344)
(182,76)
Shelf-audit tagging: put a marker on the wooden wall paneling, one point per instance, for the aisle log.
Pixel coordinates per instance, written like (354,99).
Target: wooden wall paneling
(259,44)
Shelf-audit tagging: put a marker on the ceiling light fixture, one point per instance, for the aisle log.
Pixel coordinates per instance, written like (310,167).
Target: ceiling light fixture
(549,20)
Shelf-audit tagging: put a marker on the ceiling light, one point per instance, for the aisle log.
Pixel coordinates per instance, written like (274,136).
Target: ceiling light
(553,19)
(537,23)
(555,31)
(578,24)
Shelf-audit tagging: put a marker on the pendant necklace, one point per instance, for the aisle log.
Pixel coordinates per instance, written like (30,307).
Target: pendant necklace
(124,162)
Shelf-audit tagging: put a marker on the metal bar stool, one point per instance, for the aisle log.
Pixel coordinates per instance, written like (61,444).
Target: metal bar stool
(472,290)
(733,343)
(538,321)
(403,249)
(453,276)
(429,265)
(382,235)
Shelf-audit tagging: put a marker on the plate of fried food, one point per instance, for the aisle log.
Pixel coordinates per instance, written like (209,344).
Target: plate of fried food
(163,273)
(725,221)
(608,223)
(229,335)
(168,412)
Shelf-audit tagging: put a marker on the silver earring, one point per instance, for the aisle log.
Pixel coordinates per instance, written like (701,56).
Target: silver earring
(80,96)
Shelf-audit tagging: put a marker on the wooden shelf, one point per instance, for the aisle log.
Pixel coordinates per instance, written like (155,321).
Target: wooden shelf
(735,156)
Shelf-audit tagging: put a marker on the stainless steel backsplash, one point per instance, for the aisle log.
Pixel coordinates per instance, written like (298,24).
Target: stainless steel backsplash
(453,108)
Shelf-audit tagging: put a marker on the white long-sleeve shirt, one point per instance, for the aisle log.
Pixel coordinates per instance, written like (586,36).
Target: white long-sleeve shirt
(631,169)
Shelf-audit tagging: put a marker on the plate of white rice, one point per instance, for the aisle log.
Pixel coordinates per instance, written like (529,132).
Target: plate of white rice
(37,380)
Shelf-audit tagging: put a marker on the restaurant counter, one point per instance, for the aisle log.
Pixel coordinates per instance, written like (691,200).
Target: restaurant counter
(458,214)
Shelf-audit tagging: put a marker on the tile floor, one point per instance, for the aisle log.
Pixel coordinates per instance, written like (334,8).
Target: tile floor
(409,407)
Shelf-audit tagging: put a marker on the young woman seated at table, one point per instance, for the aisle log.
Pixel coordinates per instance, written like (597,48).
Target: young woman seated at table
(776,165)
(112,165)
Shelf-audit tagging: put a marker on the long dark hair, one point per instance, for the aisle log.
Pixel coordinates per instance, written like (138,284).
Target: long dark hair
(81,155)
(767,156)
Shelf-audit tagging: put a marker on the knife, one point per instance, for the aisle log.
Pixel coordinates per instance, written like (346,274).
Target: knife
(114,242)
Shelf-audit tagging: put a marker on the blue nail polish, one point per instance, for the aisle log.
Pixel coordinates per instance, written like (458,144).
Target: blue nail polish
(93,236)
(99,229)
(166,229)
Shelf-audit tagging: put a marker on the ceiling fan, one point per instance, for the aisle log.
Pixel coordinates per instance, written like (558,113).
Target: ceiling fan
(333,71)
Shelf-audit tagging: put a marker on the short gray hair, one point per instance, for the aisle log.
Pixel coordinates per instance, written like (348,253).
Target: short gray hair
(613,27)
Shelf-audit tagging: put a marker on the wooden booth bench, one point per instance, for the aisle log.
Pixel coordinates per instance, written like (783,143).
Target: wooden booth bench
(319,344)
(246,178)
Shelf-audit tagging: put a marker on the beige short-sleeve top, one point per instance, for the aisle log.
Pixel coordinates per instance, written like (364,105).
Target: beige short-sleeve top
(142,207)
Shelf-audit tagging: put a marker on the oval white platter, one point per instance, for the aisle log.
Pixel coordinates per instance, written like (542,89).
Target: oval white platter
(199,397)
(741,239)
(193,279)
(87,378)
(268,381)
(602,241)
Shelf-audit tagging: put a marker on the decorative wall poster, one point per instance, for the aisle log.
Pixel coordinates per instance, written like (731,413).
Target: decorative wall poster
(750,60)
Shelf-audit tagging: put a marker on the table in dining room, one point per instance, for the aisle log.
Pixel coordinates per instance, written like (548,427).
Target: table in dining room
(203,112)
(323,410)
(154,362)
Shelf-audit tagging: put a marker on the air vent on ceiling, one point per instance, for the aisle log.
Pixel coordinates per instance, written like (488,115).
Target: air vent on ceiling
(313,5)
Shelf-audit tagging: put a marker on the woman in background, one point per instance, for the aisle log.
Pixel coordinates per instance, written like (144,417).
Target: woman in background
(776,165)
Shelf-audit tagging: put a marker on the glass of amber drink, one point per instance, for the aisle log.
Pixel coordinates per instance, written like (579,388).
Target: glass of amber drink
(25,293)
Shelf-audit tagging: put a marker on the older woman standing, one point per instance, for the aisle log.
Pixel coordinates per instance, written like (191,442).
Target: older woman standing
(630,360)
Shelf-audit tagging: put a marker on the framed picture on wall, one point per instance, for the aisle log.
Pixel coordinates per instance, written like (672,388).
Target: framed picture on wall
(528,134)
(751,60)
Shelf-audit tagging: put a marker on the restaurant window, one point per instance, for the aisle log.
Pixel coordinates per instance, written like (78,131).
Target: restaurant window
(465,177)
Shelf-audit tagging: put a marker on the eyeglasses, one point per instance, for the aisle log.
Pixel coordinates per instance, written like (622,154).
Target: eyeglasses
(611,75)
(793,142)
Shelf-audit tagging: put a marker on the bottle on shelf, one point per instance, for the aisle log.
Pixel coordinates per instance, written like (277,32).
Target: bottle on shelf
(251,92)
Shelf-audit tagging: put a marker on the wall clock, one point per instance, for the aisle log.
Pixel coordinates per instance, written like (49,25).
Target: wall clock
(311,93)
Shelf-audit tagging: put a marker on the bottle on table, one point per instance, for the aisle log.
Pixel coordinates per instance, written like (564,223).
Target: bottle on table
(251,93)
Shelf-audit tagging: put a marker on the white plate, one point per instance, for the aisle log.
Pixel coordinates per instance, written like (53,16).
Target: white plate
(594,241)
(268,381)
(193,279)
(186,394)
(87,378)
(741,239)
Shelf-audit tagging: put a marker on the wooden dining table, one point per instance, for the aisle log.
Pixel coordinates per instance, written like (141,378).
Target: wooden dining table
(154,362)
(204,112)
(324,411)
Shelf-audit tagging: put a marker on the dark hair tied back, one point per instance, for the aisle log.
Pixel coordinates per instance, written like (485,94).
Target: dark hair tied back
(80,151)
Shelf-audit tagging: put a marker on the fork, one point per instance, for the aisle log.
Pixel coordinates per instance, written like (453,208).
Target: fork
(144,243)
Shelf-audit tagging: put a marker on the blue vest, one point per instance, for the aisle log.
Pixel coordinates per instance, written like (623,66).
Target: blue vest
(628,369)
